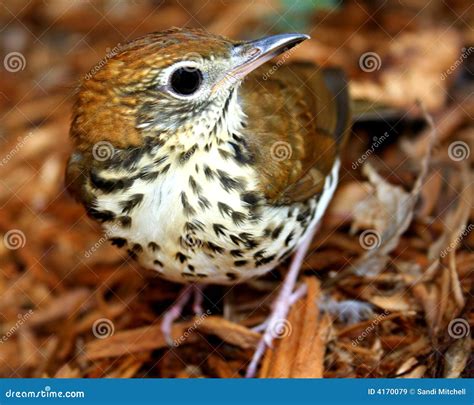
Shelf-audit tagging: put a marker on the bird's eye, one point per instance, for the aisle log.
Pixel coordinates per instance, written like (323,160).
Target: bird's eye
(186,80)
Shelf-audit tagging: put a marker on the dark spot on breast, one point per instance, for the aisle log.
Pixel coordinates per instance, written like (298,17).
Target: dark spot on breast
(264,260)
(131,158)
(137,248)
(158,263)
(110,185)
(240,263)
(230,183)
(131,203)
(250,198)
(185,156)
(251,244)
(203,202)
(238,217)
(242,154)
(131,254)
(181,257)
(224,209)
(149,176)
(201,275)
(289,238)
(119,242)
(249,240)
(208,172)
(125,221)
(165,169)
(236,240)
(231,276)
(194,186)
(158,161)
(193,226)
(236,253)
(276,232)
(191,267)
(187,208)
(154,246)
(219,229)
(215,248)
(101,216)
(303,215)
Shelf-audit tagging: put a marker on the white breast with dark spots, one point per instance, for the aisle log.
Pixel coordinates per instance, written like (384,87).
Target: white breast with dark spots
(201,220)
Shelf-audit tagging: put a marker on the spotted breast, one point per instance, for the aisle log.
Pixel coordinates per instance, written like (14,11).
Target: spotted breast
(199,184)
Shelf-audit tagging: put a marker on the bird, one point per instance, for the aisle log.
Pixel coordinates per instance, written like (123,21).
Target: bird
(208,162)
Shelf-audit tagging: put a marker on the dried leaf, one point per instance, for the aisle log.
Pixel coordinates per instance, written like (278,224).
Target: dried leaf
(456,357)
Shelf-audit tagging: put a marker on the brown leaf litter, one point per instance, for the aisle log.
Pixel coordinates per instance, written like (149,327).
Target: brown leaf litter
(71,305)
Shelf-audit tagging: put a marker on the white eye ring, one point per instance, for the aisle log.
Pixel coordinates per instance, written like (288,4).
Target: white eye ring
(187,66)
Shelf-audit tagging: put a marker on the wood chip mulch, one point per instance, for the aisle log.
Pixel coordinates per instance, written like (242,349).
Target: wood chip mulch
(71,305)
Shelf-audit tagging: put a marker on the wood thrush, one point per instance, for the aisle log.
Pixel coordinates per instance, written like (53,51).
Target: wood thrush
(201,175)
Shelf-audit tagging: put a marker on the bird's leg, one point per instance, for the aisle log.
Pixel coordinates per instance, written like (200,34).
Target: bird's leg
(198,298)
(286,297)
(176,309)
(299,293)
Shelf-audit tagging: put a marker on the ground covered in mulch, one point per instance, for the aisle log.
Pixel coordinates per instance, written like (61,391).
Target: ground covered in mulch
(390,274)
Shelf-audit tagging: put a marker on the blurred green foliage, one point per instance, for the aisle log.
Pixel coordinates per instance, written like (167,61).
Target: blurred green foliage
(296,15)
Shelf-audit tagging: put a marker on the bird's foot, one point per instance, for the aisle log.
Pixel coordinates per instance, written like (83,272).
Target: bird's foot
(275,327)
(175,311)
(295,296)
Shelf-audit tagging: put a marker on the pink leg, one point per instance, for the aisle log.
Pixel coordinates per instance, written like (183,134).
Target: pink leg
(175,311)
(282,304)
(198,298)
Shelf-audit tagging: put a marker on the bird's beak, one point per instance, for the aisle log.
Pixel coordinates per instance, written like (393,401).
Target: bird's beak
(248,56)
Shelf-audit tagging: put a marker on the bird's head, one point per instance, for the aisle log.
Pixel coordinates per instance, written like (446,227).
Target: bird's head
(173,83)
